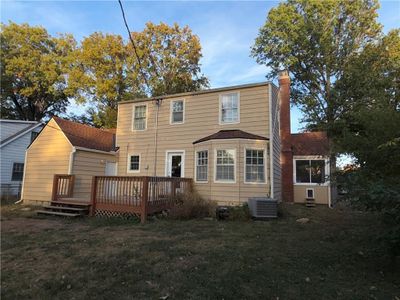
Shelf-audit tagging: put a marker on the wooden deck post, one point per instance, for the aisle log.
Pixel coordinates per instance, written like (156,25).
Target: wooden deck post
(145,199)
(93,196)
(71,185)
(54,192)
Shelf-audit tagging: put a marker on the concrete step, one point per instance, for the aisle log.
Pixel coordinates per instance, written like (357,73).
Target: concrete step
(56,213)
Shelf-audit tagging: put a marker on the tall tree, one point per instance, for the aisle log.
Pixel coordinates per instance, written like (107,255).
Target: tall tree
(170,57)
(106,69)
(315,40)
(99,77)
(33,65)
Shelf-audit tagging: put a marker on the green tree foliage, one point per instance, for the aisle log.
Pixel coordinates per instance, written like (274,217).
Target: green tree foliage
(315,40)
(170,57)
(106,69)
(33,65)
(369,130)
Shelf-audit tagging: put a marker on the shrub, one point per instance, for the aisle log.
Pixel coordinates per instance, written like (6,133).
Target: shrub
(239,212)
(191,205)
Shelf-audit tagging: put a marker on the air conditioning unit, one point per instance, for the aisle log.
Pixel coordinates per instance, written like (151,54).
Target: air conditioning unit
(263,207)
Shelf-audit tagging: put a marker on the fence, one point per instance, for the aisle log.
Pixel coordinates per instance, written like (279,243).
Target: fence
(63,186)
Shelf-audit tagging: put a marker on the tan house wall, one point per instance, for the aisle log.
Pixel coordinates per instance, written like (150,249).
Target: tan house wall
(201,119)
(49,154)
(321,193)
(86,165)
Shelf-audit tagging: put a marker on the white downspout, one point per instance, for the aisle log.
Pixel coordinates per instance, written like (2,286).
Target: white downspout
(71,160)
(23,180)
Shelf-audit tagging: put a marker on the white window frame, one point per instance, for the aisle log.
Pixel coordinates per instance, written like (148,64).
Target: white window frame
(195,166)
(327,170)
(128,167)
(234,166)
(182,152)
(265,165)
(220,109)
(171,121)
(133,117)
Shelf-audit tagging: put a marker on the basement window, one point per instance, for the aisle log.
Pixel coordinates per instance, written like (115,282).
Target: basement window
(310,171)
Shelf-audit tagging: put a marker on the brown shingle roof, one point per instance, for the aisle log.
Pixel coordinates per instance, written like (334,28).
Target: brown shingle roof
(85,136)
(310,143)
(231,134)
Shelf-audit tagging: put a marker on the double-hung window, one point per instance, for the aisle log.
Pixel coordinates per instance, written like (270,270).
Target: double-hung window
(139,118)
(310,171)
(17,172)
(229,108)
(202,165)
(177,111)
(225,165)
(255,166)
(133,163)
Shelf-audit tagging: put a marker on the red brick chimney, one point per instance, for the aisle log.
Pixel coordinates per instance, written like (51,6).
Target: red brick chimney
(286,143)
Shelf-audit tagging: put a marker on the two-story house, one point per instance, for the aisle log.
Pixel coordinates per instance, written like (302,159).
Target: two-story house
(226,139)
(15,137)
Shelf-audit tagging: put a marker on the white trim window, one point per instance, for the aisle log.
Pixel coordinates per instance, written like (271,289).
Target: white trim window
(177,112)
(310,171)
(140,117)
(229,108)
(225,165)
(134,163)
(202,166)
(254,166)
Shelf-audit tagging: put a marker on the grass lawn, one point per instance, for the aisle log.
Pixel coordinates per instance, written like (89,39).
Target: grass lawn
(334,256)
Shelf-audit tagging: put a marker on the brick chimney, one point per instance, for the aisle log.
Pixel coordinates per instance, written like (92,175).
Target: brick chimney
(286,144)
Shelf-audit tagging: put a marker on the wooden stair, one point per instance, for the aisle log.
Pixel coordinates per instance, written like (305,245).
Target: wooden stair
(64,208)
(310,202)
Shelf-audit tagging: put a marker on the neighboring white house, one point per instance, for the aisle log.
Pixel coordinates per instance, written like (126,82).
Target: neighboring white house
(15,137)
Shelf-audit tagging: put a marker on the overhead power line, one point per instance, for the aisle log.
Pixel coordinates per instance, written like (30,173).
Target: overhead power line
(134,46)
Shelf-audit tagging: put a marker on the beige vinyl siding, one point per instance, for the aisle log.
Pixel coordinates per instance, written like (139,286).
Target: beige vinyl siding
(49,154)
(321,193)
(201,119)
(86,165)
(276,144)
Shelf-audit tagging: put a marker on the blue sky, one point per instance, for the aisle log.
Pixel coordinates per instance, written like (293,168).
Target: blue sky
(226,29)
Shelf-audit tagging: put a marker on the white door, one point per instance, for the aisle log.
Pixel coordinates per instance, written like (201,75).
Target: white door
(175,164)
(111,169)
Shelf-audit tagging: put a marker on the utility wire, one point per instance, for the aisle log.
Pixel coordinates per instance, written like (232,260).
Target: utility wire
(134,46)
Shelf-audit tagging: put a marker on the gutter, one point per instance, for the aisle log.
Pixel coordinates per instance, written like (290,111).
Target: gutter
(94,150)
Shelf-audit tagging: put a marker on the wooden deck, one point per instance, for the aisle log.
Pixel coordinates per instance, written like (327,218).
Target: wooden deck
(141,195)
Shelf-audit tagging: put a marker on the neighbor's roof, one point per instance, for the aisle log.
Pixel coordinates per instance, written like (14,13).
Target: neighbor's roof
(32,126)
(85,136)
(231,134)
(310,143)
(215,90)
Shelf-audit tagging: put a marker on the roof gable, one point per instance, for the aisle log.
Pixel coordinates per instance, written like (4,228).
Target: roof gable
(85,136)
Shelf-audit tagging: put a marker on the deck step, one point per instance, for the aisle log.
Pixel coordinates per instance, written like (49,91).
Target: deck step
(56,213)
(70,203)
(60,207)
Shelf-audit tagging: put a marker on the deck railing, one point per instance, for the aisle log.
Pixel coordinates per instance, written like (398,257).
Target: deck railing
(139,195)
(63,186)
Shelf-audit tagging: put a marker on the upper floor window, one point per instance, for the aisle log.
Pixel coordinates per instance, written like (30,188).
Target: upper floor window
(310,171)
(225,165)
(202,165)
(17,172)
(255,167)
(177,111)
(134,163)
(139,118)
(229,108)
